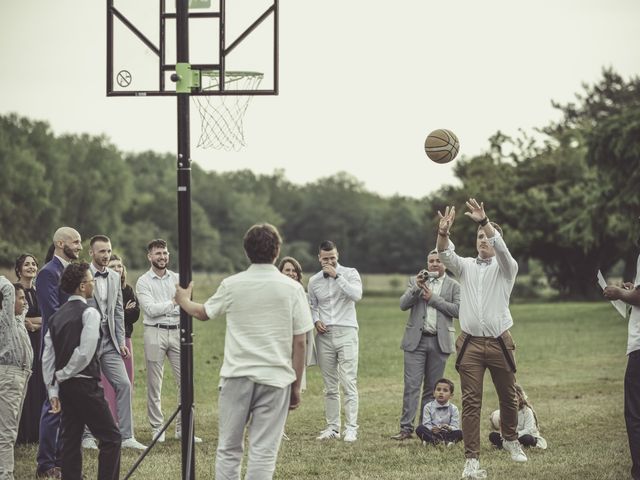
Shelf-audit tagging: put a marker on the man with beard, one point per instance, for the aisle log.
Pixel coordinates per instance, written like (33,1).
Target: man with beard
(107,299)
(156,290)
(67,245)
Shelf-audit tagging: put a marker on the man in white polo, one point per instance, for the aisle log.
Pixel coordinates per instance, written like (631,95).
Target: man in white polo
(268,318)
(333,293)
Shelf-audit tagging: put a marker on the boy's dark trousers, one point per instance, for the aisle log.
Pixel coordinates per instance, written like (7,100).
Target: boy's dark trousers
(446,436)
(632,410)
(83,403)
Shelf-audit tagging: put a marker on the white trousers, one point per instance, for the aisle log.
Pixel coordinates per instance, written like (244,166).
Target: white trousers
(337,352)
(263,410)
(158,345)
(13,388)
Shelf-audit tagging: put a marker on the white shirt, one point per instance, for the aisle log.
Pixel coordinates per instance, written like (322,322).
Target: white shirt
(484,289)
(81,355)
(334,300)
(431,322)
(155,297)
(264,310)
(633,340)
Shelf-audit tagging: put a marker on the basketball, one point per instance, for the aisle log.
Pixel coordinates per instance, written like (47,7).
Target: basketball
(442,146)
(494,419)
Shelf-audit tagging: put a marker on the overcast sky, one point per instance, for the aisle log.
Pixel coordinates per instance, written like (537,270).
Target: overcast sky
(361,81)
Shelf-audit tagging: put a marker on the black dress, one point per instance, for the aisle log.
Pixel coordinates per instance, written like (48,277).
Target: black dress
(29,428)
(130,316)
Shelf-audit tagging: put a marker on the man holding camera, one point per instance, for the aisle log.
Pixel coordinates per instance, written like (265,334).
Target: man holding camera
(429,338)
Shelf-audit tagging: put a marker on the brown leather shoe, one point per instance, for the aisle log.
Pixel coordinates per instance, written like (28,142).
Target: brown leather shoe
(403,435)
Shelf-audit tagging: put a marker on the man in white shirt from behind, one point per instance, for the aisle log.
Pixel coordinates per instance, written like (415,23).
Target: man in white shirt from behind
(333,293)
(264,351)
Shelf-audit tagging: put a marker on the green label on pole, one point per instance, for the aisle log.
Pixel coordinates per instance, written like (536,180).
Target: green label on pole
(187,78)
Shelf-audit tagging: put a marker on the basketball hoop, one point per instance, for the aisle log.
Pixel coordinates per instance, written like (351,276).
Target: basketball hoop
(221,115)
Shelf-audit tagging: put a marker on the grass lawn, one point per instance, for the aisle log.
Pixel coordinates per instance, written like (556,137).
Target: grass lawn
(570,361)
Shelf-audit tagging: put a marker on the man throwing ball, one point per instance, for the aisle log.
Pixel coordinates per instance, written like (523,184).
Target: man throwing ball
(485,342)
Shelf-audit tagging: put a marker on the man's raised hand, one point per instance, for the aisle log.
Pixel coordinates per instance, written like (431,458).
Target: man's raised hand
(476,210)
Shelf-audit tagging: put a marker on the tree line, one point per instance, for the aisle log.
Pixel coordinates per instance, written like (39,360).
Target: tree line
(566,197)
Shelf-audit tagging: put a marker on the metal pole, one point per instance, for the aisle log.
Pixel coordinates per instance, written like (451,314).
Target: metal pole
(184,243)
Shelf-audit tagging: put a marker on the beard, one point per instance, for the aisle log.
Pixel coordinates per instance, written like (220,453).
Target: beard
(70,254)
(158,266)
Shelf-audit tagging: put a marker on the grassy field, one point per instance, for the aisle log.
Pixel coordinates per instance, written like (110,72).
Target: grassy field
(570,360)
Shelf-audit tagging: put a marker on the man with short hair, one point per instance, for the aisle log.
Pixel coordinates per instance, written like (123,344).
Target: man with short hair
(264,350)
(429,338)
(485,342)
(630,294)
(333,293)
(71,372)
(67,245)
(16,358)
(155,291)
(107,299)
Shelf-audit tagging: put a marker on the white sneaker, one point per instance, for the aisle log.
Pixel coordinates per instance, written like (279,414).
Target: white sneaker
(515,449)
(156,433)
(350,435)
(327,434)
(196,439)
(90,443)
(541,443)
(472,469)
(133,443)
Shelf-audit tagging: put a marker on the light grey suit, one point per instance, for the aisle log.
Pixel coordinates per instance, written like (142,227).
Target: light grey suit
(426,356)
(110,355)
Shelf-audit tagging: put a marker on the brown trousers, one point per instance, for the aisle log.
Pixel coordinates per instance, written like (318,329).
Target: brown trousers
(475,355)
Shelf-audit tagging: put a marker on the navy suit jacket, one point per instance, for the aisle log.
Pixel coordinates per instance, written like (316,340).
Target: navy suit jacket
(48,293)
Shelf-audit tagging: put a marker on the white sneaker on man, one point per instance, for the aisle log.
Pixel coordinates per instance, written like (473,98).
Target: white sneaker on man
(350,435)
(156,433)
(515,449)
(133,443)
(541,443)
(196,439)
(472,469)
(328,434)
(90,443)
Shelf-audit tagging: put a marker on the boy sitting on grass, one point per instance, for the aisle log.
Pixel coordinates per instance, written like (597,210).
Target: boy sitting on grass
(440,419)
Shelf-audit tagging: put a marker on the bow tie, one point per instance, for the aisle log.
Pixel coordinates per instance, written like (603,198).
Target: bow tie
(101,274)
(483,261)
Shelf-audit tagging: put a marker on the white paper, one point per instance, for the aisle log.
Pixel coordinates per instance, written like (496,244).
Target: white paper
(619,305)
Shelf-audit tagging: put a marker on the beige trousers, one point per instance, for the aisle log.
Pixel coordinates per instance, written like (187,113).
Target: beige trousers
(13,388)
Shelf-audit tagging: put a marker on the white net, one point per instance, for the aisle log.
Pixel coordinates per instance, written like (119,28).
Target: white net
(221,115)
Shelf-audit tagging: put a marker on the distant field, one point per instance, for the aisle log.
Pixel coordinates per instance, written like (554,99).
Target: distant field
(570,360)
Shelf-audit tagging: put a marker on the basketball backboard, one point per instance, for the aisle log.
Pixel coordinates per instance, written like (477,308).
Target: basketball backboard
(224,37)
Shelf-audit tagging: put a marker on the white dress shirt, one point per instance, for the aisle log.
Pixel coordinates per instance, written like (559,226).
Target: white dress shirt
(431,322)
(633,339)
(334,300)
(155,297)
(81,356)
(484,289)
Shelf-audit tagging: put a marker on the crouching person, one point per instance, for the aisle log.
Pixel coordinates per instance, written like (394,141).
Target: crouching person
(71,373)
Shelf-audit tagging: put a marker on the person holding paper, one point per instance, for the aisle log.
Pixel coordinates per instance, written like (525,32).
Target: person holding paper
(629,293)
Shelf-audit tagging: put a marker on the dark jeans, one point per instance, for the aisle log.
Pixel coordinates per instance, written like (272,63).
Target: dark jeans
(525,440)
(632,410)
(82,401)
(49,447)
(427,435)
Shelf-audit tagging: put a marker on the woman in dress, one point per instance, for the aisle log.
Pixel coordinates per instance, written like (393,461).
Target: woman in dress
(131,315)
(26,268)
